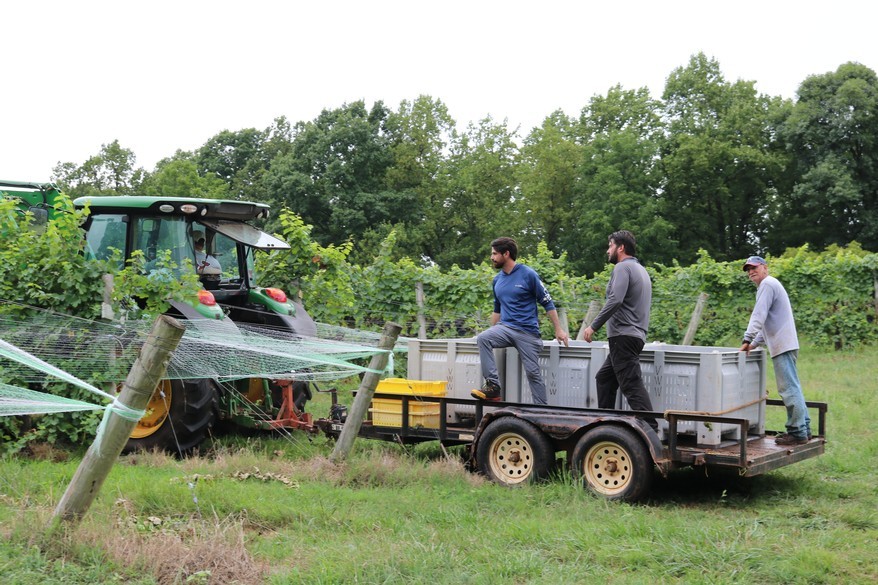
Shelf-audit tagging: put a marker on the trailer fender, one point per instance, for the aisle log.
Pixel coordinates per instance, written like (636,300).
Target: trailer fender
(644,431)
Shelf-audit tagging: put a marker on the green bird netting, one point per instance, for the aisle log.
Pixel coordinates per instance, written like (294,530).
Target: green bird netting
(39,351)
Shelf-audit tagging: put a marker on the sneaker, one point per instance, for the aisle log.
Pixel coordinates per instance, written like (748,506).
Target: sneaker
(490,392)
(788,439)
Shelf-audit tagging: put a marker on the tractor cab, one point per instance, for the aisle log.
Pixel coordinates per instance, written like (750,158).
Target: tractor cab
(208,236)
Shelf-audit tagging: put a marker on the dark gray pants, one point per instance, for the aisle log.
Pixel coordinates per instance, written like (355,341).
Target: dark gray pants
(528,346)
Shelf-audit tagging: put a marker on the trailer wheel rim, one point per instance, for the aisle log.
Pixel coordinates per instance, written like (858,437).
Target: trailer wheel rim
(156,411)
(511,458)
(608,468)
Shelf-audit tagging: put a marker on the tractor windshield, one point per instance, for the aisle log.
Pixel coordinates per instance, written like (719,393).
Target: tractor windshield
(160,236)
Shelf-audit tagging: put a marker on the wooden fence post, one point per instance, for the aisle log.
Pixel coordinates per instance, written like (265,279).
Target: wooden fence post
(562,318)
(145,374)
(365,392)
(875,284)
(695,320)
(422,321)
(594,308)
(107,304)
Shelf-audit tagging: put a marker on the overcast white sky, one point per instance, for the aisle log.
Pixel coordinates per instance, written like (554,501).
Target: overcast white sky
(161,76)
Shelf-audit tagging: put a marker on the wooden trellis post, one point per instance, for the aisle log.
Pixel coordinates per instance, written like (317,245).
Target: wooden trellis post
(145,374)
(422,320)
(695,320)
(594,308)
(365,393)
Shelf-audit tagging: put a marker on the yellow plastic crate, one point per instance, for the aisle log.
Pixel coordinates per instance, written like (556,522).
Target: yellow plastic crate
(387,412)
(412,387)
(392,417)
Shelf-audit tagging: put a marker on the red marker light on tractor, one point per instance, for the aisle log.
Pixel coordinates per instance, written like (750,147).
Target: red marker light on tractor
(276,294)
(205,297)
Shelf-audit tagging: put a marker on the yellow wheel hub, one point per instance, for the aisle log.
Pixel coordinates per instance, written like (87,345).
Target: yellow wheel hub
(607,468)
(156,411)
(511,458)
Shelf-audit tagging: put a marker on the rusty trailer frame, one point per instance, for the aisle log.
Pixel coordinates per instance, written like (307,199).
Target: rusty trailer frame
(750,455)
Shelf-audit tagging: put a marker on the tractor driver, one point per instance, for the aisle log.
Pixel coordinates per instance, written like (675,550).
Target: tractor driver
(204,262)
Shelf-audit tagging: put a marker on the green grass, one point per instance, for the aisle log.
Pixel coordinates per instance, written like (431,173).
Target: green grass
(390,515)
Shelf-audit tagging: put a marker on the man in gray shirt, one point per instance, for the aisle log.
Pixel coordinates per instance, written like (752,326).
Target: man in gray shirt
(626,313)
(772,324)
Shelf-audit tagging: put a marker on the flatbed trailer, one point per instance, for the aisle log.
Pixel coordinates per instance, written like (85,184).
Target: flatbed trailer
(612,452)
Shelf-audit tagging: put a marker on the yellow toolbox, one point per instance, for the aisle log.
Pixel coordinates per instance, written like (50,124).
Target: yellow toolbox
(387,412)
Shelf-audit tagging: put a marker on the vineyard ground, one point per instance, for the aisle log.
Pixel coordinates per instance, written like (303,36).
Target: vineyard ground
(275,510)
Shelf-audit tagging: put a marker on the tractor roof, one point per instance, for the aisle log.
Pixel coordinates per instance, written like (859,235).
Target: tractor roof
(198,208)
(29,185)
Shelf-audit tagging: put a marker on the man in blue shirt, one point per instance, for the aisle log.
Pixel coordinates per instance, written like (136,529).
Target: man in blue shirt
(514,323)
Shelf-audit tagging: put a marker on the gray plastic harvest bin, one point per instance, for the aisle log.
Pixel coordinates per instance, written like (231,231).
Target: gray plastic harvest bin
(456,361)
(713,380)
(707,380)
(567,371)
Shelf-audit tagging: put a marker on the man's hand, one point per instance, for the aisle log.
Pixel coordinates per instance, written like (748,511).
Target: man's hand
(745,347)
(562,337)
(588,333)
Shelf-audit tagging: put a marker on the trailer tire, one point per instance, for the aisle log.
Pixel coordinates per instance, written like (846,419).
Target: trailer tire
(512,452)
(613,463)
(178,418)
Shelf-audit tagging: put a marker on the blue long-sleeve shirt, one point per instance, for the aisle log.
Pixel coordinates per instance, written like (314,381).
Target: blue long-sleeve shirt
(516,296)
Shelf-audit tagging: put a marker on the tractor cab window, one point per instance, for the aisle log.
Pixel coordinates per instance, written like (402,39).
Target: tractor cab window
(251,266)
(226,251)
(105,234)
(163,240)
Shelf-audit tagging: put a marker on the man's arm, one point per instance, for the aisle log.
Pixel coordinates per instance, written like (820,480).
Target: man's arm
(753,336)
(560,333)
(495,318)
(616,292)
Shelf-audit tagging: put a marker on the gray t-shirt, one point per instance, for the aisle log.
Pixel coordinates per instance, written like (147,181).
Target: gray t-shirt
(629,296)
(771,322)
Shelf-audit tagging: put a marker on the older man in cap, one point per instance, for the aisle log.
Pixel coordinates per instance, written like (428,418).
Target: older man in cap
(772,324)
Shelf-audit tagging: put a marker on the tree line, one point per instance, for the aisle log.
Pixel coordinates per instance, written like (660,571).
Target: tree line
(712,165)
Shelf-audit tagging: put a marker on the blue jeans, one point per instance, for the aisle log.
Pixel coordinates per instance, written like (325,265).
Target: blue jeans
(790,389)
(528,346)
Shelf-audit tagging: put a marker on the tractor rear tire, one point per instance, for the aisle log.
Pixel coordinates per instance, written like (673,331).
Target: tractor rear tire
(178,418)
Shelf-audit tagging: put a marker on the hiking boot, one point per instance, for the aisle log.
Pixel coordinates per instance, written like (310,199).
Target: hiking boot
(788,439)
(490,392)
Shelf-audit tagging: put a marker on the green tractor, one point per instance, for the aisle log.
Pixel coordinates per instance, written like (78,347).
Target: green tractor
(220,244)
